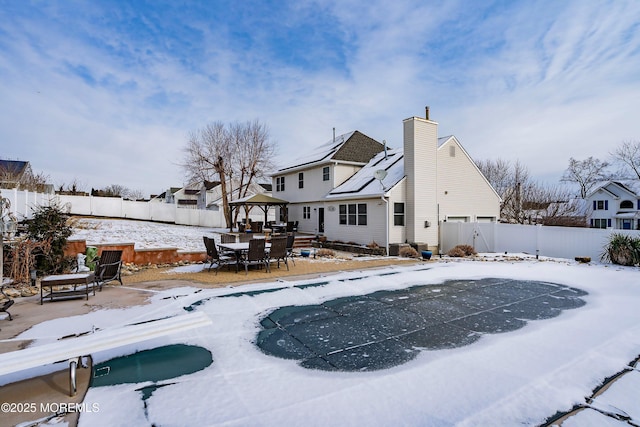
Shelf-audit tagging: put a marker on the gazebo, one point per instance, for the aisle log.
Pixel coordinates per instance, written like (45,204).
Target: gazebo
(261,200)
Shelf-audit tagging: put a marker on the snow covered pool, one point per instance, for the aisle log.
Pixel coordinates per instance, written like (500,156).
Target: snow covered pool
(520,376)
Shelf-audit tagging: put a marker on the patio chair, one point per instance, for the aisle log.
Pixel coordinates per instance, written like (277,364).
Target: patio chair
(257,226)
(227,238)
(213,256)
(278,251)
(108,266)
(256,255)
(6,304)
(291,238)
(246,237)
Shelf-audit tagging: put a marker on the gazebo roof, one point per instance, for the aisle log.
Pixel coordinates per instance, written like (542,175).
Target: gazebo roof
(259,200)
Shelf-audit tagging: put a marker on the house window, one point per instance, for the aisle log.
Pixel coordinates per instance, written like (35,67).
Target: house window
(626,204)
(398,214)
(353,214)
(342,214)
(325,173)
(301,180)
(600,205)
(280,183)
(362,214)
(600,223)
(306,212)
(452,151)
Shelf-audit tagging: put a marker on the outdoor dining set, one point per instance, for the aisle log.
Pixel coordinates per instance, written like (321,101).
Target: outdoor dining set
(247,249)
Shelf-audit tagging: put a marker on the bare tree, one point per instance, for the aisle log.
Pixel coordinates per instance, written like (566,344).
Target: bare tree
(628,156)
(207,157)
(236,155)
(553,205)
(253,154)
(114,190)
(525,201)
(74,188)
(512,182)
(134,194)
(586,173)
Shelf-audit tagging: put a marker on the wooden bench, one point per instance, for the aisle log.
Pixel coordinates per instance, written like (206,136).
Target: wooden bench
(81,284)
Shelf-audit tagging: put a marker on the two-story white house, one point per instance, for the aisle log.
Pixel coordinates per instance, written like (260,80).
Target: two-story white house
(383,195)
(307,180)
(615,204)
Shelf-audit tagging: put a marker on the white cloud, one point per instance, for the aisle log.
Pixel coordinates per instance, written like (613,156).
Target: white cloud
(539,82)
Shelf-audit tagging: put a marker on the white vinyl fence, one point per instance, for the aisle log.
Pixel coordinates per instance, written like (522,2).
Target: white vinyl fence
(23,203)
(557,242)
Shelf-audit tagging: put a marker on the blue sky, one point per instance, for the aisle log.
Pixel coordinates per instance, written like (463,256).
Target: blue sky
(107,92)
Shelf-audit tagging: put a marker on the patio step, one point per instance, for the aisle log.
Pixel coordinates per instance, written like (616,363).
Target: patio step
(303,241)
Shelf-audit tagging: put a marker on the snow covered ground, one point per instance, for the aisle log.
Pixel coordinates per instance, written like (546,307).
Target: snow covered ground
(144,234)
(515,378)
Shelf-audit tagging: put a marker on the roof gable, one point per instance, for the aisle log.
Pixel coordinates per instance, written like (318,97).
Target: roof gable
(452,140)
(349,147)
(616,189)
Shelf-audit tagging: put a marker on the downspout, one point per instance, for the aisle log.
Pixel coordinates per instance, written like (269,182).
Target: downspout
(386,202)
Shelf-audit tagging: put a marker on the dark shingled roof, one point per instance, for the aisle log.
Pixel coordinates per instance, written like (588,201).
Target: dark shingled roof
(358,148)
(350,147)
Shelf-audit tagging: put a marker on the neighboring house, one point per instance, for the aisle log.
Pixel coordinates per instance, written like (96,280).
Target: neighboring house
(383,195)
(615,204)
(210,195)
(167,196)
(187,197)
(13,173)
(18,174)
(210,192)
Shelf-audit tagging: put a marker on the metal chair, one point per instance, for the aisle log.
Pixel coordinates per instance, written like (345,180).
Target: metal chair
(291,238)
(227,238)
(278,251)
(256,255)
(6,304)
(246,237)
(213,256)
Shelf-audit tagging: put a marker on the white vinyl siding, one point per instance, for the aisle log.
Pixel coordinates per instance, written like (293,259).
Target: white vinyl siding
(314,186)
(462,190)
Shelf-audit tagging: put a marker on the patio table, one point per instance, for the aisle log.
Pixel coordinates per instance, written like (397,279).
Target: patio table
(239,247)
(81,283)
(279,228)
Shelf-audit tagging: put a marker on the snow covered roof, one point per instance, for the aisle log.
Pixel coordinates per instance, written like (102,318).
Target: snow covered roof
(630,186)
(352,147)
(321,152)
(364,183)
